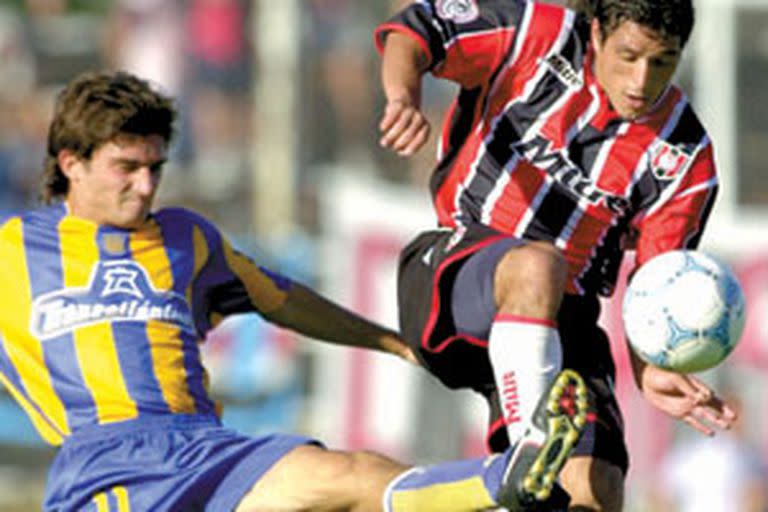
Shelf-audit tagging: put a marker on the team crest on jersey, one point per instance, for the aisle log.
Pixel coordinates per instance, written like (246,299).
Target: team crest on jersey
(668,161)
(458,11)
(118,291)
(115,244)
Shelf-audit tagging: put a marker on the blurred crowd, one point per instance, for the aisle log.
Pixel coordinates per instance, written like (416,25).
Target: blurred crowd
(205,53)
(198,51)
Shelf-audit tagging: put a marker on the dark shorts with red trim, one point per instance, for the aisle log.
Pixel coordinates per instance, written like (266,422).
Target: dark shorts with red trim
(428,270)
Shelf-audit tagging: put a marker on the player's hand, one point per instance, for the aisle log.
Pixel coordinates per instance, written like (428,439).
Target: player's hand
(404,128)
(686,398)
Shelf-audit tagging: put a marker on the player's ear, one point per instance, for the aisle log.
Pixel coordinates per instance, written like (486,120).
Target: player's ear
(596,34)
(69,163)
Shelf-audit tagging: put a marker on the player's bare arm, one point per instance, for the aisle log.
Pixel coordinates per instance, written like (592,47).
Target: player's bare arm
(312,315)
(404,128)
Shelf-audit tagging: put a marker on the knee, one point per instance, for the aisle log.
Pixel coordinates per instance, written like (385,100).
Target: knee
(341,466)
(372,463)
(534,274)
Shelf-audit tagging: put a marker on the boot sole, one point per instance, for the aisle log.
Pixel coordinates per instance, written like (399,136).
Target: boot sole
(562,415)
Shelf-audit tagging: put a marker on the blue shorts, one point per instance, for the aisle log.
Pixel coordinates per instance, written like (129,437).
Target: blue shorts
(170,463)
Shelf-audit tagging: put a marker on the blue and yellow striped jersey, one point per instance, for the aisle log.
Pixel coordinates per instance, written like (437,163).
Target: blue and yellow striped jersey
(100,324)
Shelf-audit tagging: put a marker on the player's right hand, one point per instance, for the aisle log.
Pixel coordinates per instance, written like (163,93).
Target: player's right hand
(404,128)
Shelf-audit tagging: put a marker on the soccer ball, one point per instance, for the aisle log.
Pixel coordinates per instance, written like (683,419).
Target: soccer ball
(683,311)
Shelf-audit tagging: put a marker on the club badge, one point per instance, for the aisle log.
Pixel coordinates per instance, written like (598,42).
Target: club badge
(668,161)
(458,11)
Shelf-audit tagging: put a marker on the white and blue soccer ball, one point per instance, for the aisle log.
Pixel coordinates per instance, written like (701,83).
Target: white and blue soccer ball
(684,311)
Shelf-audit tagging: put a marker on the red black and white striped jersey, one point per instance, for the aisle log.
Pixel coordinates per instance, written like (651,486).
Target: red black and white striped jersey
(531,146)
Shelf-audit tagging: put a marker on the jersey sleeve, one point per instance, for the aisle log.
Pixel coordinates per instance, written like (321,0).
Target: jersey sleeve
(678,218)
(230,282)
(464,40)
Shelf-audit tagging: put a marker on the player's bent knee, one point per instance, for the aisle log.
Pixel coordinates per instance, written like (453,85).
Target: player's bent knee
(535,261)
(377,469)
(594,485)
(545,258)
(532,275)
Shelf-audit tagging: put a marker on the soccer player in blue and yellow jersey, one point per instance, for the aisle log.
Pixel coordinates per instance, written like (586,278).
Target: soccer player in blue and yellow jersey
(566,145)
(104,304)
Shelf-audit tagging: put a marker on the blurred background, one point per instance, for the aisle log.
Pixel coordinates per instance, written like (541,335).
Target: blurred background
(277,143)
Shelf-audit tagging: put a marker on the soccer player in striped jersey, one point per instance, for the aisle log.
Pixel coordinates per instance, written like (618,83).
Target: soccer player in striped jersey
(105,302)
(565,146)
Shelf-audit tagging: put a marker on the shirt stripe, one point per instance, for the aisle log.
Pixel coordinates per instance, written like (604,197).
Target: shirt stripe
(95,347)
(164,340)
(10,379)
(30,383)
(264,294)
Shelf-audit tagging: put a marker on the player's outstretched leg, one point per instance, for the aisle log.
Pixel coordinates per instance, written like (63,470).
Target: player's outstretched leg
(522,479)
(536,460)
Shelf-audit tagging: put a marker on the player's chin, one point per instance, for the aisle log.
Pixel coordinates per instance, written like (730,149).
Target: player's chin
(633,110)
(133,219)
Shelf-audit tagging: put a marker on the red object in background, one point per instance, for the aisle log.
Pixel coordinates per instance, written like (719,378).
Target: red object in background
(752,350)
(217,31)
(370,251)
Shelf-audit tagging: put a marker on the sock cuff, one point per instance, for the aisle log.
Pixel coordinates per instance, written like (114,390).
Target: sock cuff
(509,318)
(386,500)
(469,484)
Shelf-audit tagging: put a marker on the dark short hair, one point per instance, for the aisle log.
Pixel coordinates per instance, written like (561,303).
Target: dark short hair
(668,18)
(98,107)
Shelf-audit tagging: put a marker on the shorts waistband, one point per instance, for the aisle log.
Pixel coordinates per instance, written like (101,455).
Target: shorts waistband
(144,423)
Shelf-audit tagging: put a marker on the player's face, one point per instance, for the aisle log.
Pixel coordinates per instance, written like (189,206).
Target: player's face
(117,185)
(634,65)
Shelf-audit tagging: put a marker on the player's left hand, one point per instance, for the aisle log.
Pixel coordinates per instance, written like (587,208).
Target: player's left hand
(686,398)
